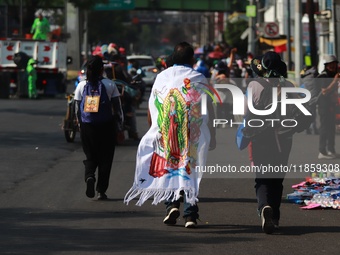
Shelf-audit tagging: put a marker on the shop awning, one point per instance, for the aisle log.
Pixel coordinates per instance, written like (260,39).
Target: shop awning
(279,43)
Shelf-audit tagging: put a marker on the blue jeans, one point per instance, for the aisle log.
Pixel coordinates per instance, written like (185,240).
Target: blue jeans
(189,210)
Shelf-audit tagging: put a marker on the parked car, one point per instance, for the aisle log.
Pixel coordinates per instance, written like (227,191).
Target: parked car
(148,66)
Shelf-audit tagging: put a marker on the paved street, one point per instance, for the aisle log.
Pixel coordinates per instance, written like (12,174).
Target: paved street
(44,210)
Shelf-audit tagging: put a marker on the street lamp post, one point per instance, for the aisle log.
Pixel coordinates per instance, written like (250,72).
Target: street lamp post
(251,32)
(297,39)
(289,44)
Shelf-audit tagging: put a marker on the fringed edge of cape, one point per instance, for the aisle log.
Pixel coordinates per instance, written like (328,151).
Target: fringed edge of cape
(160,195)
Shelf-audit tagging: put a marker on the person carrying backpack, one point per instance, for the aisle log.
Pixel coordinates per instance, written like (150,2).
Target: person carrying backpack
(270,146)
(99,114)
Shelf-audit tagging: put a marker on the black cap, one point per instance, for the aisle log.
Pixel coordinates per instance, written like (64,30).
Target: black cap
(270,63)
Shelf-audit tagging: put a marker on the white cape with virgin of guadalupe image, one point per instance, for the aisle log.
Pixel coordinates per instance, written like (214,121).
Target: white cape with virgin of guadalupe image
(177,141)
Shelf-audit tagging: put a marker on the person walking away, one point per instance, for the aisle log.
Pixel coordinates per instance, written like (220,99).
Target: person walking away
(115,70)
(40,27)
(177,142)
(270,146)
(100,116)
(309,82)
(328,80)
(221,75)
(32,79)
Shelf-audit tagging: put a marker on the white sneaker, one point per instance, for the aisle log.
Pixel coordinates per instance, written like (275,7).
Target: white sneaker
(323,156)
(190,222)
(267,220)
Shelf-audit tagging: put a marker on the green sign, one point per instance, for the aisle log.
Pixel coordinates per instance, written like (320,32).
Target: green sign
(116,5)
(251,11)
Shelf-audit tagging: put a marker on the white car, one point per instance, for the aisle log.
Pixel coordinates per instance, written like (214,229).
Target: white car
(148,66)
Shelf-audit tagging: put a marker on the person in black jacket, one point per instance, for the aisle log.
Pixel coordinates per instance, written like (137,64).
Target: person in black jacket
(309,82)
(328,81)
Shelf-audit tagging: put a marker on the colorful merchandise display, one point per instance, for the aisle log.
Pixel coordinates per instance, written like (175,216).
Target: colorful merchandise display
(321,191)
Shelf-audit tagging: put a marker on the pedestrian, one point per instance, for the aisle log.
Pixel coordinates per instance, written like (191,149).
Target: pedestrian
(177,142)
(221,75)
(32,79)
(100,114)
(116,70)
(202,67)
(328,81)
(40,27)
(308,75)
(269,146)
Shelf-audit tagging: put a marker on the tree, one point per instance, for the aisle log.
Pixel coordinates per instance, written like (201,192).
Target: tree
(107,26)
(233,33)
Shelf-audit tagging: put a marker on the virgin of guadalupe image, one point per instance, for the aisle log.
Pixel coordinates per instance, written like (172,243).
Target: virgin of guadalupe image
(170,154)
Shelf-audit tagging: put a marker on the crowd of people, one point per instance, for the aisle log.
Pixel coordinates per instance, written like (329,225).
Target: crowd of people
(180,136)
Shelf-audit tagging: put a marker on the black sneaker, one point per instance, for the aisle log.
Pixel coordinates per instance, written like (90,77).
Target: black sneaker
(171,217)
(276,224)
(190,222)
(90,187)
(267,220)
(101,196)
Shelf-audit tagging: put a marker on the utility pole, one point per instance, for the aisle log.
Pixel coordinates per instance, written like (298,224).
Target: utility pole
(312,33)
(251,34)
(86,34)
(289,44)
(260,16)
(297,39)
(21,22)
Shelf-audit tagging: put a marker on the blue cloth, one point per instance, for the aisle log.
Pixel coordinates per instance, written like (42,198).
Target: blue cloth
(241,141)
(202,68)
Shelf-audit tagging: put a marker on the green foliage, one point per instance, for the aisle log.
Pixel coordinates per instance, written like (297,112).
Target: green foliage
(233,33)
(107,27)
(239,6)
(147,39)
